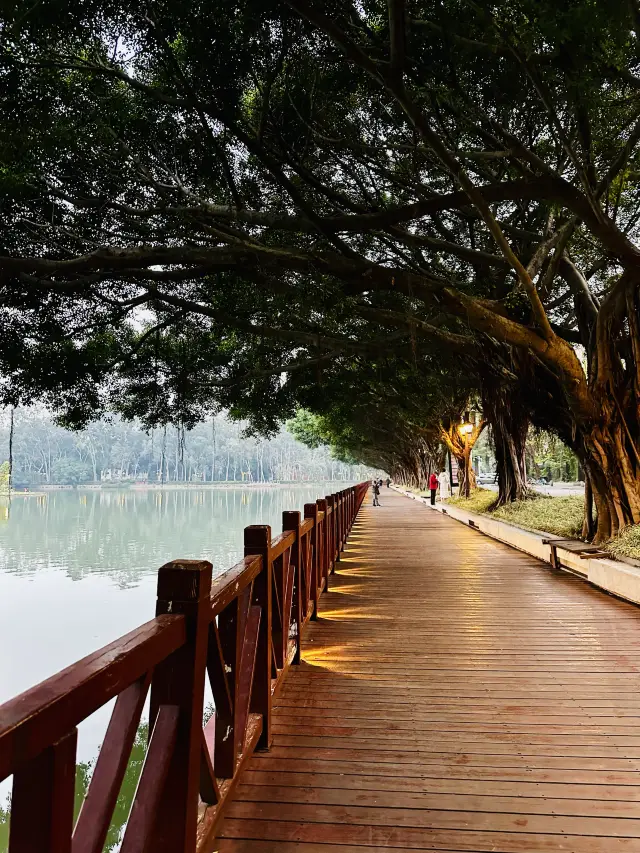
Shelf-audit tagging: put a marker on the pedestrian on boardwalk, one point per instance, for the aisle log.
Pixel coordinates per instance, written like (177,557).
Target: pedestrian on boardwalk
(433,487)
(376,493)
(445,486)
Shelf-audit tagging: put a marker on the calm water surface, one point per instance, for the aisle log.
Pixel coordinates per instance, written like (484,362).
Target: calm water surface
(78,569)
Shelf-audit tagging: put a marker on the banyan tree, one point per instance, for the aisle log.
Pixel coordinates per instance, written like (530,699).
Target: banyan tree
(201,200)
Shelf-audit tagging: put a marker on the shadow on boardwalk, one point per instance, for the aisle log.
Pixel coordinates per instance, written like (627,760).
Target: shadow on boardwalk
(456,695)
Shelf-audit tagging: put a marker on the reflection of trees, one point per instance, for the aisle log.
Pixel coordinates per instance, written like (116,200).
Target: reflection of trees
(4,478)
(127,534)
(127,789)
(4,828)
(83,777)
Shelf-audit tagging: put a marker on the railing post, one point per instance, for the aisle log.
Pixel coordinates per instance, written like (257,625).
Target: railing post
(323,506)
(257,541)
(331,521)
(291,523)
(336,509)
(42,800)
(224,647)
(184,586)
(334,531)
(347,515)
(311,511)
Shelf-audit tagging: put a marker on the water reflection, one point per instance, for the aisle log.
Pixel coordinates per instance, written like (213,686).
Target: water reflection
(127,534)
(78,569)
(84,769)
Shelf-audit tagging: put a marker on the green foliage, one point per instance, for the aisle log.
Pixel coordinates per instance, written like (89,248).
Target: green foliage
(288,222)
(308,429)
(549,457)
(70,472)
(317,431)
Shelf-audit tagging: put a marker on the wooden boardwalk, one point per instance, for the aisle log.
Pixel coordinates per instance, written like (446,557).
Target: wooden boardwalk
(455,695)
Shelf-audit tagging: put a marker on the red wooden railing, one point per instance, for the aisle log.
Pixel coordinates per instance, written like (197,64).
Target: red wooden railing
(243,629)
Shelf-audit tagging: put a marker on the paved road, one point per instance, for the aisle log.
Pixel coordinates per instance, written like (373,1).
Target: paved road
(560,490)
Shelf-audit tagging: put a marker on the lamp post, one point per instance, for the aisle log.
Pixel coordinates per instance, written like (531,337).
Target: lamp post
(465,429)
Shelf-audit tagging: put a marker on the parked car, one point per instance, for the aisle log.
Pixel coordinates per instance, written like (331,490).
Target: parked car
(487,479)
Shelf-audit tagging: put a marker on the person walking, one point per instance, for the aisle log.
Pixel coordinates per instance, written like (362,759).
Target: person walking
(376,493)
(433,487)
(388,482)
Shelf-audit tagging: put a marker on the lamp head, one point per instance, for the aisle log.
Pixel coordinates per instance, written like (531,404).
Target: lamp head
(465,426)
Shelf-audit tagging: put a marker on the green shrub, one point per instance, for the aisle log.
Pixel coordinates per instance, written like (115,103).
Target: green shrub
(627,543)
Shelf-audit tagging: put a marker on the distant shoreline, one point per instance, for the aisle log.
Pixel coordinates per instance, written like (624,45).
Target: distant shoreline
(157,487)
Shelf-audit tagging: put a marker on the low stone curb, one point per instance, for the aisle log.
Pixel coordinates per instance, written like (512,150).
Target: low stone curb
(618,578)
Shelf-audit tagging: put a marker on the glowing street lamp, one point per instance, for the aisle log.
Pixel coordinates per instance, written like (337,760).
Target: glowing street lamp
(466,427)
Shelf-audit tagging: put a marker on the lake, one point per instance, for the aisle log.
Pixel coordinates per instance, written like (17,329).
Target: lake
(78,570)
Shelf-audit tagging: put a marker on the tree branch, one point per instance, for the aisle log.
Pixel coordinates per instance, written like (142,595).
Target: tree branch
(396,9)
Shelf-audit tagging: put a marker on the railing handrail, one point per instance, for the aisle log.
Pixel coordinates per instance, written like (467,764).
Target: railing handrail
(65,699)
(243,628)
(227,586)
(280,543)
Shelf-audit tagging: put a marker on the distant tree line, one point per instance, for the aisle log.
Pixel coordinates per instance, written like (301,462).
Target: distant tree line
(122,451)
(546,456)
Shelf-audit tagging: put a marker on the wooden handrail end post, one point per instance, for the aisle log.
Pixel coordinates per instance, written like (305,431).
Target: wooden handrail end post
(184,587)
(291,522)
(323,506)
(257,541)
(311,511)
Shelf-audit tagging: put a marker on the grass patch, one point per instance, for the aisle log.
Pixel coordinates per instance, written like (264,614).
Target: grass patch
(626,544)
(559,516)
(480,501)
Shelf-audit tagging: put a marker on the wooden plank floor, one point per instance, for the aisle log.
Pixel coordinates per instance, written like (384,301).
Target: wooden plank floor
(455,695)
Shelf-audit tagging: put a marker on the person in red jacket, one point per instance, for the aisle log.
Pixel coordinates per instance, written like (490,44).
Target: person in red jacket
(433,486)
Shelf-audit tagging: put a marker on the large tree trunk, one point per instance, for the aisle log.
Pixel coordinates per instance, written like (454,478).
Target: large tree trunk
(608,443)
(466,474)
(508,416)
(588,524)
(511,468)
(611,461)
